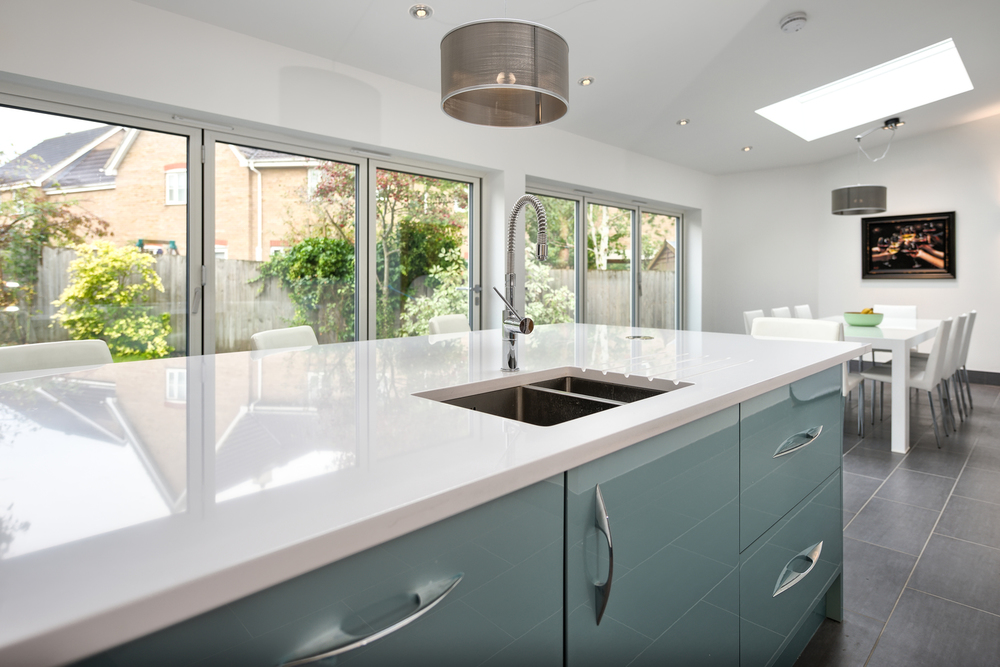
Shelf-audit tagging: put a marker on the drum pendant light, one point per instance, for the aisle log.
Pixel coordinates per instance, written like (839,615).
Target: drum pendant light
(864,199)
(504,73)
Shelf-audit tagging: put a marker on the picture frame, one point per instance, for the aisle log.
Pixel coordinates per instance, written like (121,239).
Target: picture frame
(908,246)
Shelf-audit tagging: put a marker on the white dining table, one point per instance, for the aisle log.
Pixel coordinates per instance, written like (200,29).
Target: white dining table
(896,336)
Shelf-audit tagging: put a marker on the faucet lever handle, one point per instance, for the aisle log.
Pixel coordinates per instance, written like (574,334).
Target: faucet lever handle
(508,304)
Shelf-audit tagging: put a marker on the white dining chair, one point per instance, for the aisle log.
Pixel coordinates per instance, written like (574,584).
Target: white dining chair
(802,329)
(803,312)
(58,354)
(274,339)
(782,311)
(963,372)
(950,369)
(926,379)
(749,316)
(445,324)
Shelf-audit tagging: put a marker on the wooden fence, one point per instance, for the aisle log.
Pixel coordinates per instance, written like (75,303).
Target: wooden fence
(608,296)
(244,307)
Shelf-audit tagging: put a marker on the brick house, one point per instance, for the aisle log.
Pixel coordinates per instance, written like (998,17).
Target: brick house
(136,180)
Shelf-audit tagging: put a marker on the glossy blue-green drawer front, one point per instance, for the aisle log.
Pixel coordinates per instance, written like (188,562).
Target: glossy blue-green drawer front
(506,609)
(777,470)
(769,618)
(673,513)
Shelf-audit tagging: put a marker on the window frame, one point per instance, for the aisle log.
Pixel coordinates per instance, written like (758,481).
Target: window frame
(184,181)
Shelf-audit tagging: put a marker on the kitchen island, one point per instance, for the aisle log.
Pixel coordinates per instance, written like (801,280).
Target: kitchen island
(157,491)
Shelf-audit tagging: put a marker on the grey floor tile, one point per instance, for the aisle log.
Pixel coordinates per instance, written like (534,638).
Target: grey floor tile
(893,525)
(916,488)
(987,458)
(857,490)
(847,517)
(846,644)
(971,520)
(873,578)
(937,462)
(979,484)
(871,462)
(925,630)
(960,571)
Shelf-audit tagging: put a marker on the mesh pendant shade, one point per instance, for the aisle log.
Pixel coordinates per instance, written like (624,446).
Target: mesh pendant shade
(504,73)
(859,200)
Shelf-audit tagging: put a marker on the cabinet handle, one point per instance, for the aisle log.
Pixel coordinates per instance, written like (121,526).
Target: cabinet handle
(798,441)
(790,577)
(427,598)
(604,590)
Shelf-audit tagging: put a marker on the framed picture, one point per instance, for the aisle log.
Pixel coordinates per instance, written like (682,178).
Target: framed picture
(908,246)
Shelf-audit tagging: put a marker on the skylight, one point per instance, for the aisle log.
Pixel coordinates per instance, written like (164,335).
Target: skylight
(928,75)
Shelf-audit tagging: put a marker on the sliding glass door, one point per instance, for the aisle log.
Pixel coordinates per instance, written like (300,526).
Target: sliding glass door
(86,203)
(285,238)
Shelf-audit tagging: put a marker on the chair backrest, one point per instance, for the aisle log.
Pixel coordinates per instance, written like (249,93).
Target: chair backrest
(444,324)
(935,360)
(796,329)
(274,339)
(804,312)
(896,312)
(966,339)
(60,354)
(749,316)
(955,339)
(782,311)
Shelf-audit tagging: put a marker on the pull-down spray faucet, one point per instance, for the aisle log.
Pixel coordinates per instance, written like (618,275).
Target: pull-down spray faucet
(513,323)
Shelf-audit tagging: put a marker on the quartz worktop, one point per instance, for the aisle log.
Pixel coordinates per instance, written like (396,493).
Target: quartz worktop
(133,496)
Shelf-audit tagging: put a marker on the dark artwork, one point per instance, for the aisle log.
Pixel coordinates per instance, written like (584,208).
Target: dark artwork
(908,246)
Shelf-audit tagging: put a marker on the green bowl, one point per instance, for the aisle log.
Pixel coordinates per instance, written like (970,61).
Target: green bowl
(863,319)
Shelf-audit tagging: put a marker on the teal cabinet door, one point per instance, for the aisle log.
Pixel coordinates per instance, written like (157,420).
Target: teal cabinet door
(666,592)
(505,609)
(791,440)
(785,575)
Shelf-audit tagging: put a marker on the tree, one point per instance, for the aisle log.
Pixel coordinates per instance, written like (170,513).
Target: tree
(319,275)
(107,298)
(30,221)
(418,218)
(544,303)
(609,232)
(445,278)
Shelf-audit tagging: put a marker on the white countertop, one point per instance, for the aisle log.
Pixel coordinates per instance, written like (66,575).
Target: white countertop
(127,506)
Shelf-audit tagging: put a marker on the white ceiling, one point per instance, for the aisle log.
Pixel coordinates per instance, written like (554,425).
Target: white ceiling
(655,61)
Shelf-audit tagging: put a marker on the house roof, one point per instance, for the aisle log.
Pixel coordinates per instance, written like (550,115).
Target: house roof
(86,171)
(41,159)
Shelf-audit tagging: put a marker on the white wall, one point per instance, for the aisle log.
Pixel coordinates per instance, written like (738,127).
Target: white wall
(761,251)
(957,169)
(117,48)
(775,242)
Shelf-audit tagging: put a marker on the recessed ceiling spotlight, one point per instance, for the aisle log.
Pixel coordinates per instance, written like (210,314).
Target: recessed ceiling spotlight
(421,12)
(683,121)
(793,22)
(747,149)
(586,81)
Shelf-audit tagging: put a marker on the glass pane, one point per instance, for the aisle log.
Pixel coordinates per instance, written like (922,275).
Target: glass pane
(658,281)
(83,205)
(284,245)
(422,251)
(609,263)
(550,286)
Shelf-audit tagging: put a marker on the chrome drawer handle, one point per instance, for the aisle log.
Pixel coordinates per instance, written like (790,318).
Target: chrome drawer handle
(790,577)
(427,597)
(798,441)
(603,591)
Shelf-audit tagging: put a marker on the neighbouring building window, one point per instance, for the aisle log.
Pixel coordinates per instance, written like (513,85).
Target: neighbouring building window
(176,385)
(177,187)
(222,250)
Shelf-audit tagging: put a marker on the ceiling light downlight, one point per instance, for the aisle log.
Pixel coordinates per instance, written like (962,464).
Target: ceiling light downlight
(586,81)
(421,12)
(684,121)
(504,73)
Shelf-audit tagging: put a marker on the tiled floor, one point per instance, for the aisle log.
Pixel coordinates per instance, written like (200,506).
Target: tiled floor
(921,545)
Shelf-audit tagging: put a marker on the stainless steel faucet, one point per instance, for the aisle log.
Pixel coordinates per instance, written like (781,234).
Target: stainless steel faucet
(513,323)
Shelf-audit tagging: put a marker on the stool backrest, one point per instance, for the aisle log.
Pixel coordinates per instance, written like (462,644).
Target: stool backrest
(749,316)
(274,339)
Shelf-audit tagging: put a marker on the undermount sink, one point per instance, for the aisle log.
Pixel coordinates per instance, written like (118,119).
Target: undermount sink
(547,398)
